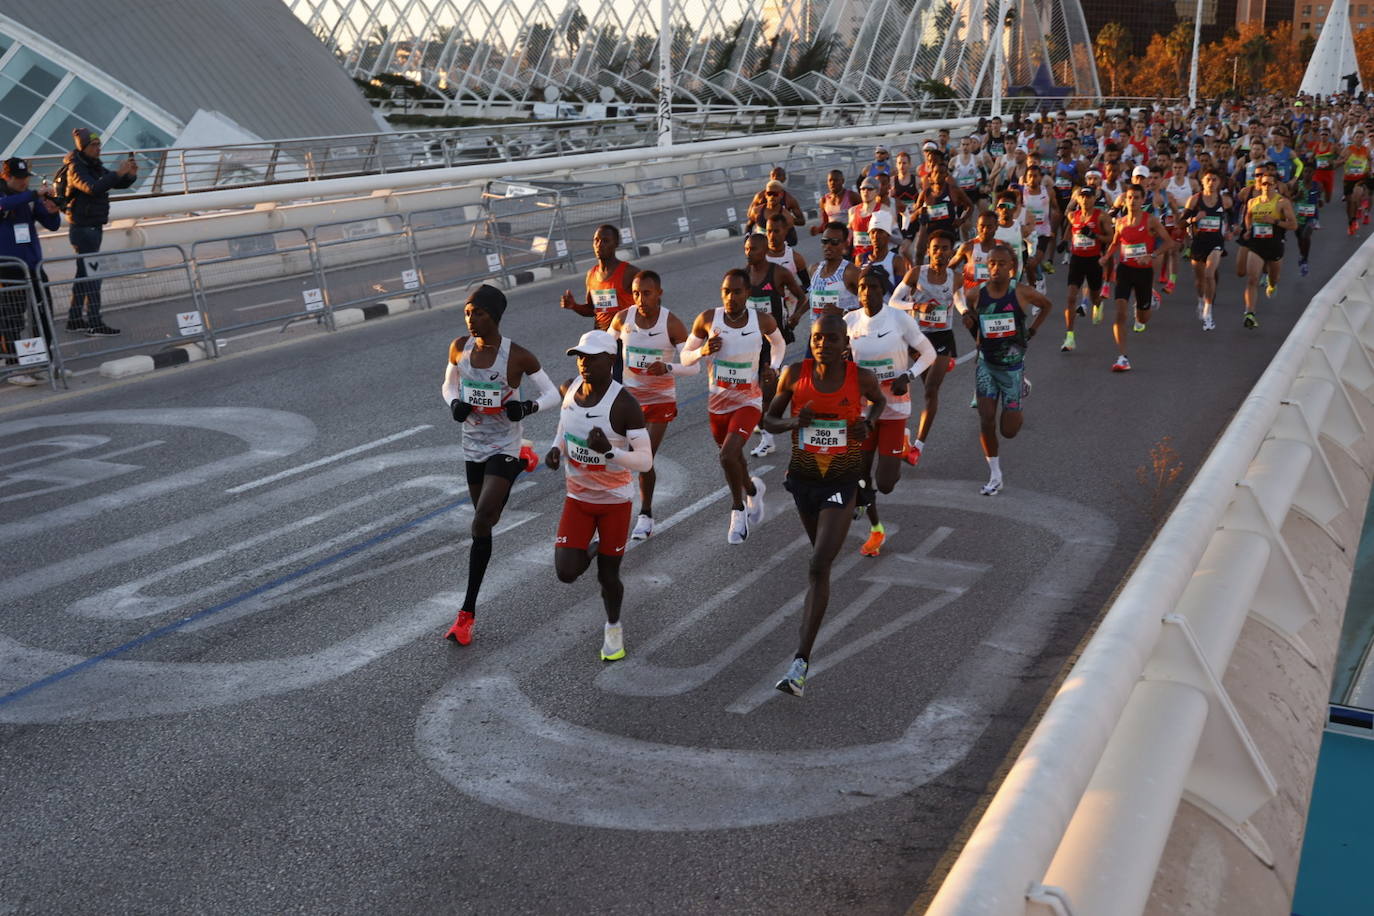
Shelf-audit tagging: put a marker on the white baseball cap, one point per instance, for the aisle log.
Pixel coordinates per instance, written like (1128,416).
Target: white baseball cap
(594,343)
(1140,171)
(882,219)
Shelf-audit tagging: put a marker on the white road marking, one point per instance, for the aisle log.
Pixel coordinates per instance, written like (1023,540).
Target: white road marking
(347,453)
(266,305)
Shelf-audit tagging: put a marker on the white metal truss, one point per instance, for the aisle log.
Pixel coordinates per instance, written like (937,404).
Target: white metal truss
(732,52)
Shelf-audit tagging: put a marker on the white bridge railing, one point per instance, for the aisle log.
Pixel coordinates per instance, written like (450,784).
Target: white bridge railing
(1080,823)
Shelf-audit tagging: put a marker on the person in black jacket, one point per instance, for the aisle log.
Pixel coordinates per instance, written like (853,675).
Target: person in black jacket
(88,210)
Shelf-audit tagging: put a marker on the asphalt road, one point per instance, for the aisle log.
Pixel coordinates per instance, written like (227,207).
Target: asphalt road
(223,687)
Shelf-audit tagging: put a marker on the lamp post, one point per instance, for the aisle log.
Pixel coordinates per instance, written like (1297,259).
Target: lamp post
(665,73)
(1003,19)
(1197,43)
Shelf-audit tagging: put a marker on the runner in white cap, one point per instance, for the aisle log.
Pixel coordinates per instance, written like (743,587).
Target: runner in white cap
(601,442)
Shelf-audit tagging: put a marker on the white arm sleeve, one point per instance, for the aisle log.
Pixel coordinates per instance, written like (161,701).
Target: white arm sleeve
(903,293)
(923,346)
(453,385)
(548,396)
(639,457)
(557,442)
(692,350)
(777,349)
(683,368)
(961,301)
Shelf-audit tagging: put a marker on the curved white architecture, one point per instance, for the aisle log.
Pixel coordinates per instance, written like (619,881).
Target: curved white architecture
(730,52)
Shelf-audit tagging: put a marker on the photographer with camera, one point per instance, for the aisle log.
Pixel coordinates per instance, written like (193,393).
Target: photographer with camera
(22,211)
(84,186)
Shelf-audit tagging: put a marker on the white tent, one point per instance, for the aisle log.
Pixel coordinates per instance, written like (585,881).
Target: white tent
(1334,56)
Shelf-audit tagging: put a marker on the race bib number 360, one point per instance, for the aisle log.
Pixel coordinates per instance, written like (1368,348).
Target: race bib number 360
(605,300)
(824,437)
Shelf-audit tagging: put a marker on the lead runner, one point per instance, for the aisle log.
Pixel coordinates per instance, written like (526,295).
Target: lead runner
(826,393)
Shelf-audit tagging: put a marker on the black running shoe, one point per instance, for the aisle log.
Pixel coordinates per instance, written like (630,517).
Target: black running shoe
(101,330)
(77,324)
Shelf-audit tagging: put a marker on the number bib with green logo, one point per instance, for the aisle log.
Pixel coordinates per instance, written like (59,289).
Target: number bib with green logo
(1323,161)
(1262,230)
(735,374)
(824,299)
(934,318)
(484,396)
(884,369)
(1209,224)
(862,239)
(1307,209)
(824,437)
(580,455)
(761,304)
(639,359)
(1083,243)
(605,301)
(996,327)
(938,211)
(1135,251)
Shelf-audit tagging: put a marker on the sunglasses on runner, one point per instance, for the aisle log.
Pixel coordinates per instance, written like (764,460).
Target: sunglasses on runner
(826,240)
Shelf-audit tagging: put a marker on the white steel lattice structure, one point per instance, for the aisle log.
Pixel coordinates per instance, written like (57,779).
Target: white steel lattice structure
(725,52)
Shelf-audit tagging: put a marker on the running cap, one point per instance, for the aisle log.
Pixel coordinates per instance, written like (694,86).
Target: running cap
(882,220)
(490,300)
(594,343)
(1140,171)
(15,168)
(930,145)
(1091,172)
(870,183)
(879,149)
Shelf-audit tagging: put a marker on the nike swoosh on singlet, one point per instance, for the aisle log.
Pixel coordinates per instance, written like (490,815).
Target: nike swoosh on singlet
(884,333)
(745,333)
(652,333)
(593,416)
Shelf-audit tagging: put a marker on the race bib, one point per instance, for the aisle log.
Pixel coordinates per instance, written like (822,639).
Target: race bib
(824,299)
(862,239)
(1062,184)
(1083,243)
(1135,251)
(485,397)
(1356,165)
(1209,224)
(998,326)
(639,359)
(935,318)
(762,304)
(1323,161)
(980,270)
(580,455)
(938,211)
(824,437)
(22,236)
(1262,230)
(884,369)
(1307,209)
(967,181)
(735,374)
(605,300)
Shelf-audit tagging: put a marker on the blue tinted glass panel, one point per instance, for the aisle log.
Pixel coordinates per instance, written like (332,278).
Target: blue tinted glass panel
(137,133)
(55,127)
(17,103)
(89,104)
(37,73)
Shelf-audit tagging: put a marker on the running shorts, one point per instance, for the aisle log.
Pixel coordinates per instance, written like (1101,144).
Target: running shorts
(507,467)
(1204,243)
(1043,242)
(1327,179)
(610,522)
(811,496)
(660,413)
(1351,184)
(1137,280)
(889,438)
(1085,268)
(1002,382)
(1266,249)
(943,342)
(740,421)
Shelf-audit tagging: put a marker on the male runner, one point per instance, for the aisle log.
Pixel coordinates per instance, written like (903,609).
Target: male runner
(1088,232)
(601,433)
(1268,215)
(730,336)
(836,203)
(481,386)
(1141,240)
(828,426)
(999,318)
(835,283)
(771,286)
(1208,213)
(608,281)
(927,292)
(649,337)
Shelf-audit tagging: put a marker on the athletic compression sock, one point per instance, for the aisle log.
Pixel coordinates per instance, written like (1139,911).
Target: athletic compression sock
(478,558)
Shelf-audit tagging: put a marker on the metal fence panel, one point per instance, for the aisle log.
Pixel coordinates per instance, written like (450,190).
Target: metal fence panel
(363,261)
(455,247)
(140,291)
(23,343)
(527,226)
(658,210)
(266,277)
(710,201)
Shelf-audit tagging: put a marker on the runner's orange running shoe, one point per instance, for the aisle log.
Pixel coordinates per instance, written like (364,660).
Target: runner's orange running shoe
(461,631)
(873,544)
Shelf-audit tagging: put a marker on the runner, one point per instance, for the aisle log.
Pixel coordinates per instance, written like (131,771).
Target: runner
(836,203)
(773,201)
(998,317)
(1308,196)
(881,339)
(1044,213)
(1088,232)
(1068,174)
(972,256)
(730,336)
(650,336)
(869,203)
(1208,213)
(1136,234)
(825,393)
(835,284)
(941,206)
(1015,226)
(880,232)
(601,432)
(1179,188)
(783,254)
(1356,180)
(608,281)
(1324,154)
(927,292)
(1267,216)
(481,387)
(769,287)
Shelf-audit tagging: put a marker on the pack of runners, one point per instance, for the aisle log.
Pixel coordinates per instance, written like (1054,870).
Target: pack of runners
(907,261)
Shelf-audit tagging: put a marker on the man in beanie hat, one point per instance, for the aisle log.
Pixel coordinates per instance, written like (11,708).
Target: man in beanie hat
(481,387)
(88,210)
(22,211)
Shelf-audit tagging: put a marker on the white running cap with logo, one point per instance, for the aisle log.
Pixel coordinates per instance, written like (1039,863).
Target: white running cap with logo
(594,343)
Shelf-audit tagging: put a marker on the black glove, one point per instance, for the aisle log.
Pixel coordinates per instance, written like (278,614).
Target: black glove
(519,410)
(460,409)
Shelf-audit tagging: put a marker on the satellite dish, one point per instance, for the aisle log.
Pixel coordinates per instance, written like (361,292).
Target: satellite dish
(606,94)
(551,93)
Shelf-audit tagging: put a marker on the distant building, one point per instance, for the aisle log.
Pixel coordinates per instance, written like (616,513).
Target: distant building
(1308,18)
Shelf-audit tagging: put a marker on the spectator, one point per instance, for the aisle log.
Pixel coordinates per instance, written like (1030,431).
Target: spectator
(21,212)
(88,210)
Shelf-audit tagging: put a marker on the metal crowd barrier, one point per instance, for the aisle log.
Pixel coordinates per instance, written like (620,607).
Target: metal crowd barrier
(148,293)
(456,247)
(363,261)
(527,225)
(23,320)
(264,278)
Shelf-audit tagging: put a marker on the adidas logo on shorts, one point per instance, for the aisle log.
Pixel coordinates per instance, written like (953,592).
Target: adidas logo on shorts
(835,498)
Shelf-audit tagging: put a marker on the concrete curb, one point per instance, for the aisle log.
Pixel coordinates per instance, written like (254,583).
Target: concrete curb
(138,365)
(522,277)
(345,317)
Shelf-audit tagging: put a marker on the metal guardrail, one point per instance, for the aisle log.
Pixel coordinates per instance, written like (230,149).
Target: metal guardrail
(1080,822)
(23,333)
(172,171)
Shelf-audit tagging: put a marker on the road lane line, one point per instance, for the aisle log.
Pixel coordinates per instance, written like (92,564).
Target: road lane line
(349,453)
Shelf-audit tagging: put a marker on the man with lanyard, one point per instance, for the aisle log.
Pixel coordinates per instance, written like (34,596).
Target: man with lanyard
(609,283)
(1136,235)
(769,287)
(927,293)
(22,211)
(829,426)
(650,336)
(835,282)
(481,387)
(1088,232)
(881,339)
(998,318)
(730,337)
(1268,215)
(600,442)
(836,203)
(1208,215)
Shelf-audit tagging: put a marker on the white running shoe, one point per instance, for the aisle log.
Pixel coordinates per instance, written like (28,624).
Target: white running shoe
(613,642)
(739,527)
(753,505)
(1208,324)
(644,526)
(794,681)
(992,487)
(1139,328)
(23,381)
(765,446)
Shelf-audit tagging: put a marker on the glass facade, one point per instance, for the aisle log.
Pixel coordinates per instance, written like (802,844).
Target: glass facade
(42,101)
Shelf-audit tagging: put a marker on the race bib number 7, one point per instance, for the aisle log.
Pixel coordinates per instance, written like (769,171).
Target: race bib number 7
(639,359)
